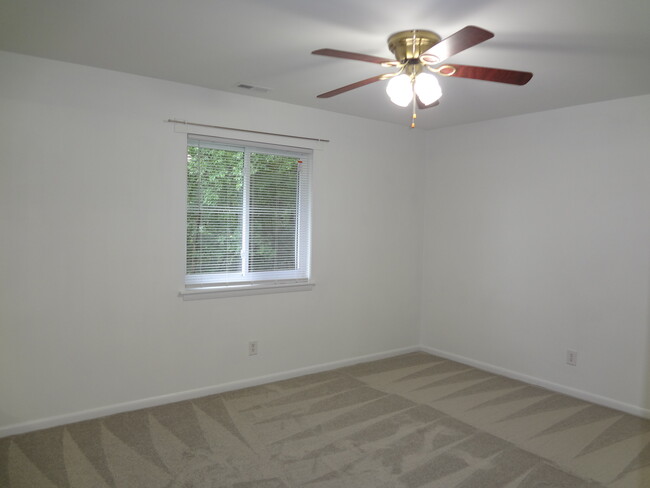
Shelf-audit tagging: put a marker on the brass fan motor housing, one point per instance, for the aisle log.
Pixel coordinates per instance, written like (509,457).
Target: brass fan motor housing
(410,44)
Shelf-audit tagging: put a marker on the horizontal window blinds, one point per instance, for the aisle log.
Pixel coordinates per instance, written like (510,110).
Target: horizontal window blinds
(248,213)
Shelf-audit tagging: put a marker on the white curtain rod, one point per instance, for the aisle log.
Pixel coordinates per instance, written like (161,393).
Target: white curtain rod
(246,130)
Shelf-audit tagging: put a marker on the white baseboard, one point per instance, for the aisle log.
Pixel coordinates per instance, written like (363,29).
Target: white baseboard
(191,394)
(549,385)
(260,380)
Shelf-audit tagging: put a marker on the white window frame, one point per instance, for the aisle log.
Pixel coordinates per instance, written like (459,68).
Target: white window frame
(215,285)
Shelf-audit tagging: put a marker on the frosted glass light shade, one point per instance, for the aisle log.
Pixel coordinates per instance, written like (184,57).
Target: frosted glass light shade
(399,90)
(427,88)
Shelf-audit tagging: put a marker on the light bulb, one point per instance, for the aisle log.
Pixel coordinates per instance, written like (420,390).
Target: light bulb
(427,88)
(399,90)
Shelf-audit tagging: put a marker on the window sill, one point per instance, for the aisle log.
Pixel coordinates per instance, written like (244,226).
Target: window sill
(241,290)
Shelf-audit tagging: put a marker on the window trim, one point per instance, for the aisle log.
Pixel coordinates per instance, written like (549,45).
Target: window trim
(283,281)
(239,290)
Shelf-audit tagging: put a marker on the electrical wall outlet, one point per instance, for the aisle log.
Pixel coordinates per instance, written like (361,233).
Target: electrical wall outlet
(572,357)
(252,348)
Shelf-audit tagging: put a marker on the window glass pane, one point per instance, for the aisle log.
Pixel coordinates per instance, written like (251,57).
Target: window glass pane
(273,212)
(215,183)
(248,211)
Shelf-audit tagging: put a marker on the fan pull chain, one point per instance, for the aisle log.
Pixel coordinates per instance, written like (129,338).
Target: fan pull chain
(414,112)
(413,73)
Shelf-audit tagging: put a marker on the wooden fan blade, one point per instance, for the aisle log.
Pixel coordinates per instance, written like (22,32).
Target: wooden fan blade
(463,39)
(351,86)
(491,74)
(355,56)
(423,106)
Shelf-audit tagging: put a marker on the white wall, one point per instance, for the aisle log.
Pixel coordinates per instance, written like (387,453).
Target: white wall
(92,245)
(537,240)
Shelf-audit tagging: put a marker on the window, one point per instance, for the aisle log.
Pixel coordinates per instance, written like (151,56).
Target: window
(248,214)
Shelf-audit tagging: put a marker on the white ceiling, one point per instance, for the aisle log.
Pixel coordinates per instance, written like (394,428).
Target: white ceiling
(580,51)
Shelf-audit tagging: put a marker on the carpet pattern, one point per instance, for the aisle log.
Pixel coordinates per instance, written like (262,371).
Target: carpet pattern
(410,421)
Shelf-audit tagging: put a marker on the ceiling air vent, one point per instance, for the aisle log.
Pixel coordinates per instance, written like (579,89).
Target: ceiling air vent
(249,87)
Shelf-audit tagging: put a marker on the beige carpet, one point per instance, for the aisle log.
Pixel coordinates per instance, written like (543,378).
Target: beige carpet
(411,421)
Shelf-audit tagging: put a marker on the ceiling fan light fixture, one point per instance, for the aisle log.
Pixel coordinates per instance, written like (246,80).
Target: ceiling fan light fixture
(400,90)
(417,50)
(427,88)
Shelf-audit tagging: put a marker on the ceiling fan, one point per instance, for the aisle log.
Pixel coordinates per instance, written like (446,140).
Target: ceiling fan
(418,54)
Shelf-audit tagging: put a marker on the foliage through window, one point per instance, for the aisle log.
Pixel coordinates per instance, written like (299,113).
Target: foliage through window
(248,213)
